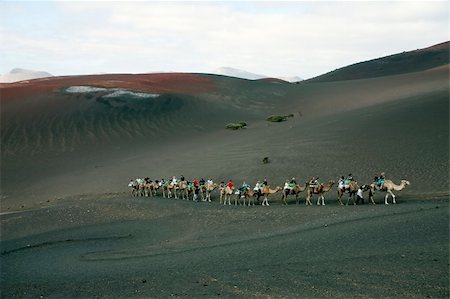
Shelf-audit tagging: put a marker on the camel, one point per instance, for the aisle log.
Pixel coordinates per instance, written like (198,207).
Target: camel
(387,187)
(169,187)
(266,191)
(208,188)
(134,187)
(320,190)
(154,186)
(227,192)
(294,191)
(248,193)
(183,190)
(352,189)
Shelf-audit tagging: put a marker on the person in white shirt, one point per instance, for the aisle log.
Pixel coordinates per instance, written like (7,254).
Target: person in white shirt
(360,195)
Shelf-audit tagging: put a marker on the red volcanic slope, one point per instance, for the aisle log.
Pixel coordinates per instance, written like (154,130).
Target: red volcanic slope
(185,83)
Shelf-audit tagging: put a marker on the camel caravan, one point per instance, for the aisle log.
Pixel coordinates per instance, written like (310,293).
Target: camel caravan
(180,188)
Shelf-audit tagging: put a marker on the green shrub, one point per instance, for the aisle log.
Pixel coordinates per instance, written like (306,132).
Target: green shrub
(236,126)
(277,118)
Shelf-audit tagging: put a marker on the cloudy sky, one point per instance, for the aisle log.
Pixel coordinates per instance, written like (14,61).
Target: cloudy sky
(303,38)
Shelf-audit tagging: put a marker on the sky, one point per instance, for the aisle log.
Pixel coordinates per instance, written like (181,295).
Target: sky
(282,38)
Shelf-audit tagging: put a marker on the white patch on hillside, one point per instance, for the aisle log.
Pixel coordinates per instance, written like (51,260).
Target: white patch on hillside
(110,92)
(84,89)
(123,92)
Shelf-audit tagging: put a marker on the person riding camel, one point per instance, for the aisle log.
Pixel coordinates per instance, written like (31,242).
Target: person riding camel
(243,188)
(341,183)
(202,182)
(292,183)
(380,181)
(287,185)
(257,187)
(314,183)
(230,184)
(182,178)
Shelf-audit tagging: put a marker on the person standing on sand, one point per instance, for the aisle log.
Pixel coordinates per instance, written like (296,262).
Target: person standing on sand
(360,195)
(196,189)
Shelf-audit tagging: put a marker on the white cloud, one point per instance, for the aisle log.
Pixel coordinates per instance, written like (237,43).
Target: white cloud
(287,38)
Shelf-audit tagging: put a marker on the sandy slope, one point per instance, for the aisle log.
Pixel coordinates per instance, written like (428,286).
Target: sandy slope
(395,124)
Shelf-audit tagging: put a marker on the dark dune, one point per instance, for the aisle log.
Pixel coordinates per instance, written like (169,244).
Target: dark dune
(406,62)
(67,158)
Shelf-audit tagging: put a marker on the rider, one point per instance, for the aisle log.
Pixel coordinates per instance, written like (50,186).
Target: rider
(380,181)
(314,183)
(202,182)
(244,188)
(293,182)
(257,187)
(230,184)
(341,183)
(182,178)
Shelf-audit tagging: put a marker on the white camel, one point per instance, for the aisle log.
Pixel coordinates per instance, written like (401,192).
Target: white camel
(387,187)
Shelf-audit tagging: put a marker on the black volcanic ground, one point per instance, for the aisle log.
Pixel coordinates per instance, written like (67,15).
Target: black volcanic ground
(68,220)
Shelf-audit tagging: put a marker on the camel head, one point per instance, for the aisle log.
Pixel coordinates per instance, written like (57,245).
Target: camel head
(405,182)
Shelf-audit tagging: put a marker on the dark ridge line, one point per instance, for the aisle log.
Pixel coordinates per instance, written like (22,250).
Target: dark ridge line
(50,243)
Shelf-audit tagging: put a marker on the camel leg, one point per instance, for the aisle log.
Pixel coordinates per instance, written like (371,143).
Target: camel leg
(308,200)
(318,200)
(386,199)
(323,200)
(393,197)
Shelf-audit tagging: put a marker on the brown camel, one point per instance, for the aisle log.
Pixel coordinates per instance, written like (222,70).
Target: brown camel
(134,187)
(207,189)
(227,192)
(169,188)
(296,190)
(182,190)
(387,187)
(154,186)
(351,190)
(320,190)
(250,194)
(266,191)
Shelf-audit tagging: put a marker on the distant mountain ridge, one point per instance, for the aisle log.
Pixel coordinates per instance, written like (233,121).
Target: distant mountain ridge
(401,63)
(18,74)
(237,73)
